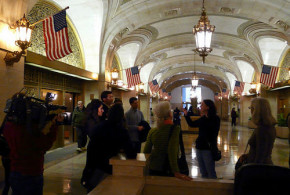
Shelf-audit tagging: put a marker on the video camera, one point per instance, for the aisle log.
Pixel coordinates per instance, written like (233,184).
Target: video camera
(22,109)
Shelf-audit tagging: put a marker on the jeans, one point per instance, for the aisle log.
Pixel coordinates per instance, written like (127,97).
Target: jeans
(26,184)
(82,137)
(206,164)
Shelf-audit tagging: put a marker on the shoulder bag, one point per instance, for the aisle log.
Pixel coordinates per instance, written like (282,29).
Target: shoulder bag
(243,159)
(181,161)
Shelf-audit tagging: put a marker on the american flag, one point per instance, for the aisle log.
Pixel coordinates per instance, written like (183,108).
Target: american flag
(162,93)
(153,85)
(133,77)
(56,36)
(269,75)
(169,96)
(225,92)
(216,96)
(239,87)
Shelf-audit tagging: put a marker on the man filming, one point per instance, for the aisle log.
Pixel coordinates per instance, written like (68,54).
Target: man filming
(28,144)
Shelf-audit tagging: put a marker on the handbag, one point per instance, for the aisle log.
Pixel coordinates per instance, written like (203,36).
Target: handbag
(243,159)
(216,154)
(181,161)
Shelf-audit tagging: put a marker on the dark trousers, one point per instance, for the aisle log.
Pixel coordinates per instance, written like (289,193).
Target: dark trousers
(82,137)
(234,121)
(6,165)
(137,146)
(26,184)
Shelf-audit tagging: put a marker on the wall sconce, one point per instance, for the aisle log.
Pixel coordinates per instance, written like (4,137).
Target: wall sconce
(115,75)
(23,35)
(141,87)
(253,89)
(120,83)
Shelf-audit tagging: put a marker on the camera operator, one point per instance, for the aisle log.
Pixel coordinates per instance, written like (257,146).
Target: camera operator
(27,144)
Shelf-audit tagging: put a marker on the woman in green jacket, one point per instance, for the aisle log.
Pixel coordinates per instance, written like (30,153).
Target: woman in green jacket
(161,147)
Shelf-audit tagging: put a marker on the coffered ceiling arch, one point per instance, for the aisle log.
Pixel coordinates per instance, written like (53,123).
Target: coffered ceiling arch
(218,82)
(187,82)
(183,70)
(191,61)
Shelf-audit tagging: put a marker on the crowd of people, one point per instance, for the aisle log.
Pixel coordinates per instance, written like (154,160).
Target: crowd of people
(110,130)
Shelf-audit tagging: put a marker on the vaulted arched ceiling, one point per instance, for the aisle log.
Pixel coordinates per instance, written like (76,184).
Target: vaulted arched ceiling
(163,31)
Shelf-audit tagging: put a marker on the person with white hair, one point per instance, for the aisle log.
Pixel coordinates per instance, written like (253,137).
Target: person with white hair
(163,146)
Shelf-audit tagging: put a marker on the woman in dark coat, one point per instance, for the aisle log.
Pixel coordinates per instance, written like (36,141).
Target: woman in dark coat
(209,125)
(93,113)
(107,139)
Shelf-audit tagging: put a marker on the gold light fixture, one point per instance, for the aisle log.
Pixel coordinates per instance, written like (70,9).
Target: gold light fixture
(253,89)
(114,75)
(194,81)
(23,35)
(141,88)
(203,33)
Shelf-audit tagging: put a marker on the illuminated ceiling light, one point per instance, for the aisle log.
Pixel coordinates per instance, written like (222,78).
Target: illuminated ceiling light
(203,33)
(194,81)
(23,35)
(193,93)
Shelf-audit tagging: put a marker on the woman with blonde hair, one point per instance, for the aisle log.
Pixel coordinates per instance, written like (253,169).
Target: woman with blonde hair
(163,142)
(262,140)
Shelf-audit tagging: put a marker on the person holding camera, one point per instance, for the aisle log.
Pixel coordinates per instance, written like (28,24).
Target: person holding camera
(28,145)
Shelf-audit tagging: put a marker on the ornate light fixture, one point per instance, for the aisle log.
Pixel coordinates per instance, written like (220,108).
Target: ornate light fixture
(253,89)
(23,35)
(194,81)
(203,32)
(141,88)
(114,76)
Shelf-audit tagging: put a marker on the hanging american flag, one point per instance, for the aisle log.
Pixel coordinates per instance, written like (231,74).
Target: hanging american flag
(225,92)
(162,93)
(269,75)
(56,36)
(216,96)
(169,96)
(153,85)
(239,87)
(133,77)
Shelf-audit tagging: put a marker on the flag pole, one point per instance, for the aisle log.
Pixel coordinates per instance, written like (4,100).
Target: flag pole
(49,16)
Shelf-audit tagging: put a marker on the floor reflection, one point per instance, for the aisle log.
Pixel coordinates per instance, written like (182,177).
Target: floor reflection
(64,177)
(232,141)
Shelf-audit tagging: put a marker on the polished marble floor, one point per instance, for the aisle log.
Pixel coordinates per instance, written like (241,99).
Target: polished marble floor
(64,177)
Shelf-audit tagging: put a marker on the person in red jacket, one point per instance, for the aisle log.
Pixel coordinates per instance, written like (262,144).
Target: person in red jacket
(27,149)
